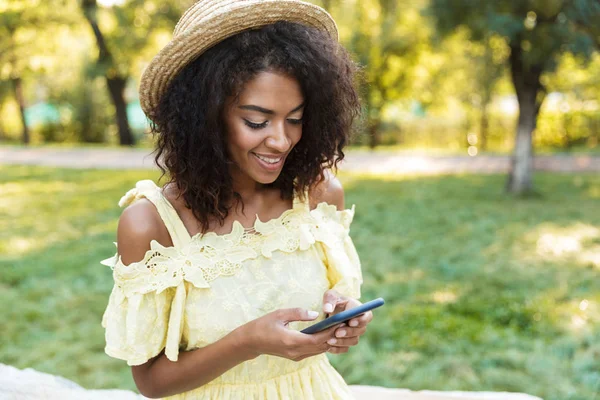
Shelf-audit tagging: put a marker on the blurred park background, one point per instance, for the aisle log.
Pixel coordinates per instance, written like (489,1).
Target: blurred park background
(492,279)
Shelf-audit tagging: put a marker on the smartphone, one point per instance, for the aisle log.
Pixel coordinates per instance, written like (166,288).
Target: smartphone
(344,316)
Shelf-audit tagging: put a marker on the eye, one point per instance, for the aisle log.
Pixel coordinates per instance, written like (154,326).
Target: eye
(255,126)
(296,121)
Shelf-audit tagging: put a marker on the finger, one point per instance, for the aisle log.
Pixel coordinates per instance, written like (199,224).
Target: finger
(296,314)
(330,300)
(353,303)
(361,320)
(350,332)
(338,350)
(316,350)
(349,303)
(367,317)
(343,342)
(319,337)
(323,336)
(314,353)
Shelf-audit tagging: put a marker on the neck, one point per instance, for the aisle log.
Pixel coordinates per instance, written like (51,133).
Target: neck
(248,188)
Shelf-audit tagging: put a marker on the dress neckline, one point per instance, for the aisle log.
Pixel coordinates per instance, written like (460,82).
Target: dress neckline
(237,229)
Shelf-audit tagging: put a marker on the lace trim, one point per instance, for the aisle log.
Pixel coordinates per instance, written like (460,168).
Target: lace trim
(207,257)
(147,188)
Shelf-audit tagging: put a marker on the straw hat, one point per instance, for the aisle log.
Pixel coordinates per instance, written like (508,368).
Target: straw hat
(208,22)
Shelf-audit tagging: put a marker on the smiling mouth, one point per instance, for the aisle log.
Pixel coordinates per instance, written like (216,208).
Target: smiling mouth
(269,160)
(267,163)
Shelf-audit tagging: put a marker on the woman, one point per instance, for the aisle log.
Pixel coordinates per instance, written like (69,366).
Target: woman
(216,272)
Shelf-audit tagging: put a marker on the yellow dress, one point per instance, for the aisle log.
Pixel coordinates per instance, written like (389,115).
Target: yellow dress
(193,293)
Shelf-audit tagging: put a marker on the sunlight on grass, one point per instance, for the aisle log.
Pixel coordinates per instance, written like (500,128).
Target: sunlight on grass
(578,242)
(404,276)
(444,297)
(483,291)
(20,245)
(348,178)
(583,315)
(37,187)
(594,192)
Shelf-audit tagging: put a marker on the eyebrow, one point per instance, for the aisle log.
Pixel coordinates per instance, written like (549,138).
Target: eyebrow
(265,110)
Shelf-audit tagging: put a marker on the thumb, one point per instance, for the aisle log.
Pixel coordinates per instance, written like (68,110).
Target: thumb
(297,314)
(330,300)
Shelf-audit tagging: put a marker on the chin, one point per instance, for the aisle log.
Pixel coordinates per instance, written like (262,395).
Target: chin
(262,175)
(266,180)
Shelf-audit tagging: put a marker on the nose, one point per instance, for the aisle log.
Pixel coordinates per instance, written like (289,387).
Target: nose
(278,139)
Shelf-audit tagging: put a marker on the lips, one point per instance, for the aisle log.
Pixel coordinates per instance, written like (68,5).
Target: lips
(269,159)
(267,166)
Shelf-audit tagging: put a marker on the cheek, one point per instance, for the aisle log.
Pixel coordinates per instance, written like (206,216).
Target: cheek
(242,141)
(295,137)
(298,136)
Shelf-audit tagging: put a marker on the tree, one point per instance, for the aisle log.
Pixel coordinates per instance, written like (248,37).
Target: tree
(489,68)
(4,92)
(132,24)
(458,69)
(385,39)
(537,33)
(586,16)
(22,37)
(115,81)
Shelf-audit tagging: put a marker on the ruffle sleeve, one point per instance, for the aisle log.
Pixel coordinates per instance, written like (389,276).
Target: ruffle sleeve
(337,249)
(145,311)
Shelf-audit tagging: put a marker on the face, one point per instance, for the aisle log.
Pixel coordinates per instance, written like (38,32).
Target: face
(263,126)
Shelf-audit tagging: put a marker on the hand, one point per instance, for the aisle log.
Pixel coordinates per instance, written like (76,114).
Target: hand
(349,333)
(270,334)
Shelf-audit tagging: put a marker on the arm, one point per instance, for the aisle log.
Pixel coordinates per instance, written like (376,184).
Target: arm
(160,377)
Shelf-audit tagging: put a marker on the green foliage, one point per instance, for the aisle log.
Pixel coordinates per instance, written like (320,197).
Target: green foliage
(128,29)
(420,86)
(88,116)
(542,29)
(25,27)
(537,33)
(556,130)
(385,39)
(568,130)
(483,291)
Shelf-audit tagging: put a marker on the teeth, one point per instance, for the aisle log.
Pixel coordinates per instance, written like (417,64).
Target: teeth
(269,160)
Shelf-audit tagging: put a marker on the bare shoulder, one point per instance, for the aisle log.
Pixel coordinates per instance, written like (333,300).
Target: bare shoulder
(139,224)
(329,190)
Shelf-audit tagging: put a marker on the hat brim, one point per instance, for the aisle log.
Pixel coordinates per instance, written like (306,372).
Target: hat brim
(225,22)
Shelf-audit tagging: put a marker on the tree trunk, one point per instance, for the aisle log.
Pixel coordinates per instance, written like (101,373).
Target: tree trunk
(520,178)
(373,134)
(18,90)
(526,80)
(115,83)
(2,134)
(116,87)
(483,129)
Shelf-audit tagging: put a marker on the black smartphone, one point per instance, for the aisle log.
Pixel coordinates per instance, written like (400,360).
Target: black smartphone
(344,316)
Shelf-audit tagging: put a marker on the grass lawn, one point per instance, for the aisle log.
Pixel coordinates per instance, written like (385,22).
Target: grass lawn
(484,291)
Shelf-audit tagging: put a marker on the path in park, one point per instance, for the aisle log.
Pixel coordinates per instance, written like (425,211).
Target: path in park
(370,162)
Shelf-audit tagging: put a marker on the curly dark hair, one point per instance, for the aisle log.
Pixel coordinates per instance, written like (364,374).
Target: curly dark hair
(188,120)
